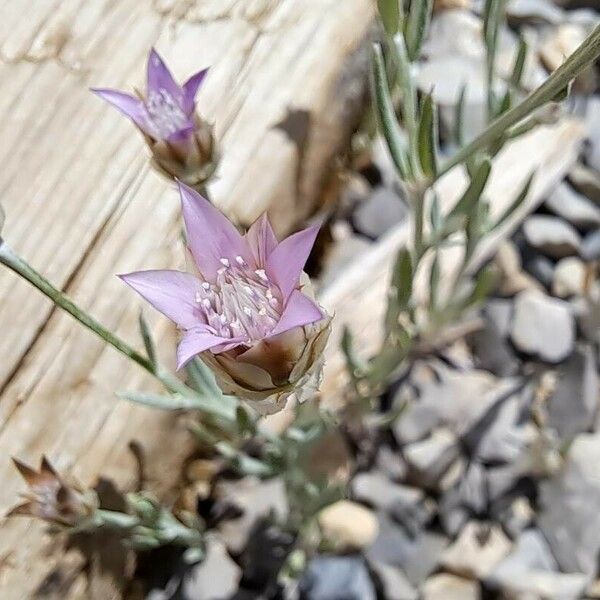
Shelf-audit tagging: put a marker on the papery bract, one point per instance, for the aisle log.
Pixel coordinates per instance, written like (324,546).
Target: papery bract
(246,312)
(182,144)
(52,498)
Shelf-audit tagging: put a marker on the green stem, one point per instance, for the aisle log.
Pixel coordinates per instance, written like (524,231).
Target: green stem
(550,89)
(418,202)
(22,268)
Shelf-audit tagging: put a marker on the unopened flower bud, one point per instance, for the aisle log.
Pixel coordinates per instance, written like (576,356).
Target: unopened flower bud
(246,313)
(52,498)
(181,143)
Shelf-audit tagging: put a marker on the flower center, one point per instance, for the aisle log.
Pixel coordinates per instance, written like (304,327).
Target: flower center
(164,113)
(241,303)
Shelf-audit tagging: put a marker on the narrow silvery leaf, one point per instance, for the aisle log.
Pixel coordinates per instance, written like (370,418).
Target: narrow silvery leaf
(484,284)
(201,378)
(506,102)
(519,65)
(469,199)
(416,26)
(435,214)
(244,419)
(354,365)
(459,116)
(387,116)
(428,137)
(516,202)
(434,280)
(147,338)
(400,289)
(174,402)
(390,12)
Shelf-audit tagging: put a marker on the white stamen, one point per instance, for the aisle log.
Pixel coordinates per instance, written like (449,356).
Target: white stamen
(262,274)
(247,311)
(206,285)
(240,261)
(224,261)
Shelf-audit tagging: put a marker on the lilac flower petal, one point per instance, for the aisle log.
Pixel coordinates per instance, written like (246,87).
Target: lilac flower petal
(173,293)
(213,239)
(129,105)
(261,239)
(160,78)
(300,310)
(190,89)
(286,262)
(194,341)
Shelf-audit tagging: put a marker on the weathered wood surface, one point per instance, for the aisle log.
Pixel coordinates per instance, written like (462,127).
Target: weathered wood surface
(359,297)
(82,205)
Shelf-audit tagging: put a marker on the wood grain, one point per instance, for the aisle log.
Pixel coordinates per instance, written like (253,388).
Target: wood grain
(82,205)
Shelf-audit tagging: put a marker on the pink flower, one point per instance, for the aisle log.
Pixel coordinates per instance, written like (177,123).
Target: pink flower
(167,111)
(181,142)
(245,306)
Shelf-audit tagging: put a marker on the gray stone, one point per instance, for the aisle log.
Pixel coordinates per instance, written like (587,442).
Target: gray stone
(500,312)
(540,267)
(216,578)
(394,584)
(590,247)
(379,213)
(503,441)
(417,556)
(551,236)
(575,208)
(569,277)
(449,587)
(256,499)
(391,463)
(586,181)
(336,578)
(430,458)
(492,352)
(512,279)
(573,405)
(455,399)
(543,326)
(405,504)
(530,569)
(477,550)
(570,519)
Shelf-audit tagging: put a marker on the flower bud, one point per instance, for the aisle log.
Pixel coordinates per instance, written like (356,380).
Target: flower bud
(51,498)
(245,312)
(181,143)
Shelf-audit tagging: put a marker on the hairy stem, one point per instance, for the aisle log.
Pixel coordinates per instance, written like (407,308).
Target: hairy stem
(22,268)
(550,89)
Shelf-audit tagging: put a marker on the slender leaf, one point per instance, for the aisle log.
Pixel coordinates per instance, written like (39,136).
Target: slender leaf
(400,290)
(484,284)
(394,138)
(174,402)
(518,68)
(471,196)
(434,280)
(515,203)
(428,137)
(355,366)
(201,378)
(147,338)
(390,12)
(459,116)
(406,85)
(416,26)
(435,213)
(506,102)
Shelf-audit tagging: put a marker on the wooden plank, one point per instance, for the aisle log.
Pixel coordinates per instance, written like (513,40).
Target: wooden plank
(81,205)
(358,297)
